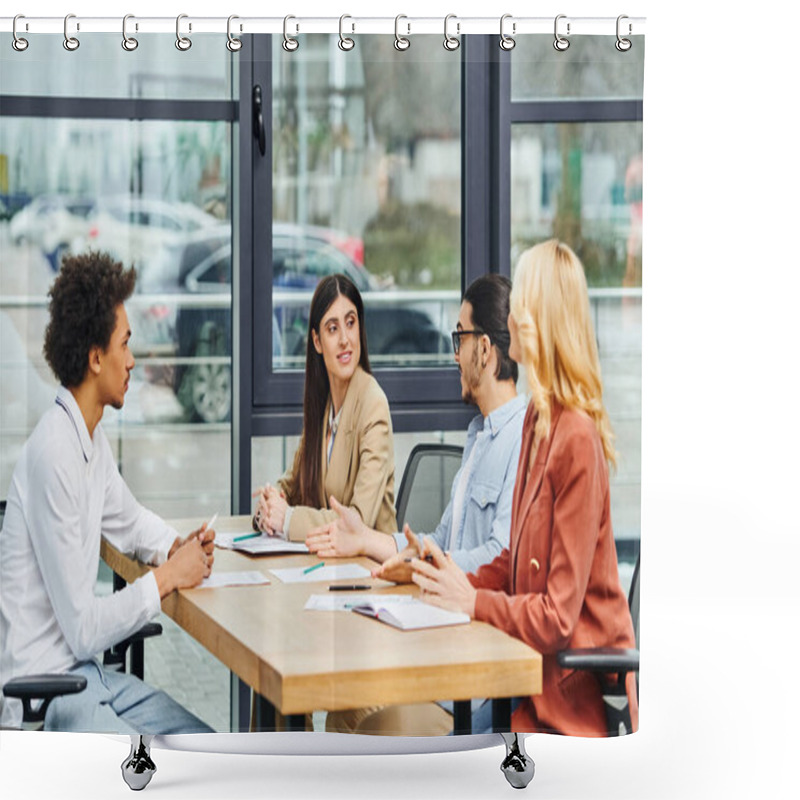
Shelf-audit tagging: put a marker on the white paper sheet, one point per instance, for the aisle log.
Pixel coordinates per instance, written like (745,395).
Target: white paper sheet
(218,580)
(299,575)
(341,601)
(224,539)
(261,545)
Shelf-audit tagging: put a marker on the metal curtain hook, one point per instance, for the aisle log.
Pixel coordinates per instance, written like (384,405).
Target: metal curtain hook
(400,42)
(507,42)
(451,42)
(128,42)
(70,42)
(290,44)
(182,42)
(233,44)
(623,45)
(560,43)
(345,42)
(18,43)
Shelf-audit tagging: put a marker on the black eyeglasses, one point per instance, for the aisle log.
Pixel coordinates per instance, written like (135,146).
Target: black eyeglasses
(456,336)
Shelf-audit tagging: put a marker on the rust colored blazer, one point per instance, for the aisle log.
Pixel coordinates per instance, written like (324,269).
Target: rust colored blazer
(361,469)
(557,586)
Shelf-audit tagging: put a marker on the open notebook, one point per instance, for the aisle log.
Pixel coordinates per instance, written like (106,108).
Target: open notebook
(409,616)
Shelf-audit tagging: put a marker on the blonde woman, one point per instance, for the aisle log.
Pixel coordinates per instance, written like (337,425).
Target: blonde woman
(556,586)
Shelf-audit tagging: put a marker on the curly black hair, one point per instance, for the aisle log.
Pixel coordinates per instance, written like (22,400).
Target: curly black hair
(83,303)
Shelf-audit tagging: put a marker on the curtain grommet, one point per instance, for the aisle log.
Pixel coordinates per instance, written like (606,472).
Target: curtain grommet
(19,43)
(71,43)
(561,43)
(401,43)
(507,42)
(183,43)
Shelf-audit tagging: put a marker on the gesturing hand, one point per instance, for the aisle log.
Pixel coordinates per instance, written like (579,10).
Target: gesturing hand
(342,537)
(443,583)
(396,568)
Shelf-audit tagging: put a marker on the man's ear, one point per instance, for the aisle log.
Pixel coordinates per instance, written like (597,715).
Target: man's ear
(316,342)
(95,354)
(486,349)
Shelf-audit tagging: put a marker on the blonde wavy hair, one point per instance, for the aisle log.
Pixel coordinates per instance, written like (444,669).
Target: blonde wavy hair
(550,306)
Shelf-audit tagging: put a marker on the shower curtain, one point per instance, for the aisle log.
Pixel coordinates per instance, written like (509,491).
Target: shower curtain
(234,179)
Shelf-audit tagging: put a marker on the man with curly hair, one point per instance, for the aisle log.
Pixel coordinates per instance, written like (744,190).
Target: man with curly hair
(65,493)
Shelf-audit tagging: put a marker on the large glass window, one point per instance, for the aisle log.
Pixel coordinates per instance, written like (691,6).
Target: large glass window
(156,70)
(591,68)
(582,183)
(366,180)
(152,194)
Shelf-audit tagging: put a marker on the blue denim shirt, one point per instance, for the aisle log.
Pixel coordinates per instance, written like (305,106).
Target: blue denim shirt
(485,524)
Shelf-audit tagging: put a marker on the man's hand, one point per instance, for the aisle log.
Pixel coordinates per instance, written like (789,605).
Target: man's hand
(204,535)
(184,569)
(343,537)
(397,568)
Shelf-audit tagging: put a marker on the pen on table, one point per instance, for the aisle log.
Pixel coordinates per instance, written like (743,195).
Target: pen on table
(315,566)
(354,587)
(246,536)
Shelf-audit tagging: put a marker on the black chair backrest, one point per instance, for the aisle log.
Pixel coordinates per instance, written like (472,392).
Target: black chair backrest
(633,599)
(425,488)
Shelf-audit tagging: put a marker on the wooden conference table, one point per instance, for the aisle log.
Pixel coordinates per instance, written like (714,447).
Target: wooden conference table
(299,661)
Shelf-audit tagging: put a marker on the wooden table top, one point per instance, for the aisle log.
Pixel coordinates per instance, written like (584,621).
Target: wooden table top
(304,661)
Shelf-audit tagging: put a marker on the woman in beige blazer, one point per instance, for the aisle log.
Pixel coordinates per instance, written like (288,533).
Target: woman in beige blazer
(346,449)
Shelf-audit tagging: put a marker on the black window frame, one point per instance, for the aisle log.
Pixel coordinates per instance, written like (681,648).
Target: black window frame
(270,402)
(267,403)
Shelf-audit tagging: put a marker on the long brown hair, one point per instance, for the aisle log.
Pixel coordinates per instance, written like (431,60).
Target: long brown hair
(306,488)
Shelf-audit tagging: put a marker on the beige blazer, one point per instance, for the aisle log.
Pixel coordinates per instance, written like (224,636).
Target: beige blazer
(361,470)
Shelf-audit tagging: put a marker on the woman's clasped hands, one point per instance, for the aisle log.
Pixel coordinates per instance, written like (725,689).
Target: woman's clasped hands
(270,513)
(443,582)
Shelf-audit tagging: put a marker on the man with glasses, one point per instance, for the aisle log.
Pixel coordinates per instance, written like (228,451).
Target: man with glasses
(475,525)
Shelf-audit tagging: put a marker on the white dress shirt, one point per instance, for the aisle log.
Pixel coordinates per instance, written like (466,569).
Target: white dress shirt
(65,493)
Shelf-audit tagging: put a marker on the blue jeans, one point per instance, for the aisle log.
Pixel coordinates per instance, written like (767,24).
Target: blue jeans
(115,702)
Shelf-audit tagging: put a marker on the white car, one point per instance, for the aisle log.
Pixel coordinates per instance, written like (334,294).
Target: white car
(51,222)
(135,229)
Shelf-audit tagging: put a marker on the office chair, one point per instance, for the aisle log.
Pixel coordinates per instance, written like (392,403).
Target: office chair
(605,660)
(116,656)
(30,688)
(46,687)
(425,488)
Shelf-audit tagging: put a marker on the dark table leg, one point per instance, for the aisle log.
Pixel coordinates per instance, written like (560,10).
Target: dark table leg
(240,705)
(501,714)
(462,717)
(264,714)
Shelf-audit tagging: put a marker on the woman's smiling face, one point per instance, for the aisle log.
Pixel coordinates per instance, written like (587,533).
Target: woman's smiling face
(339,340)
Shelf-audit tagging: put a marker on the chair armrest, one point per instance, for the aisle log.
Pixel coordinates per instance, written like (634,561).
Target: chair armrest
(44,686)
(41,687)
(145,632)
(600,659)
